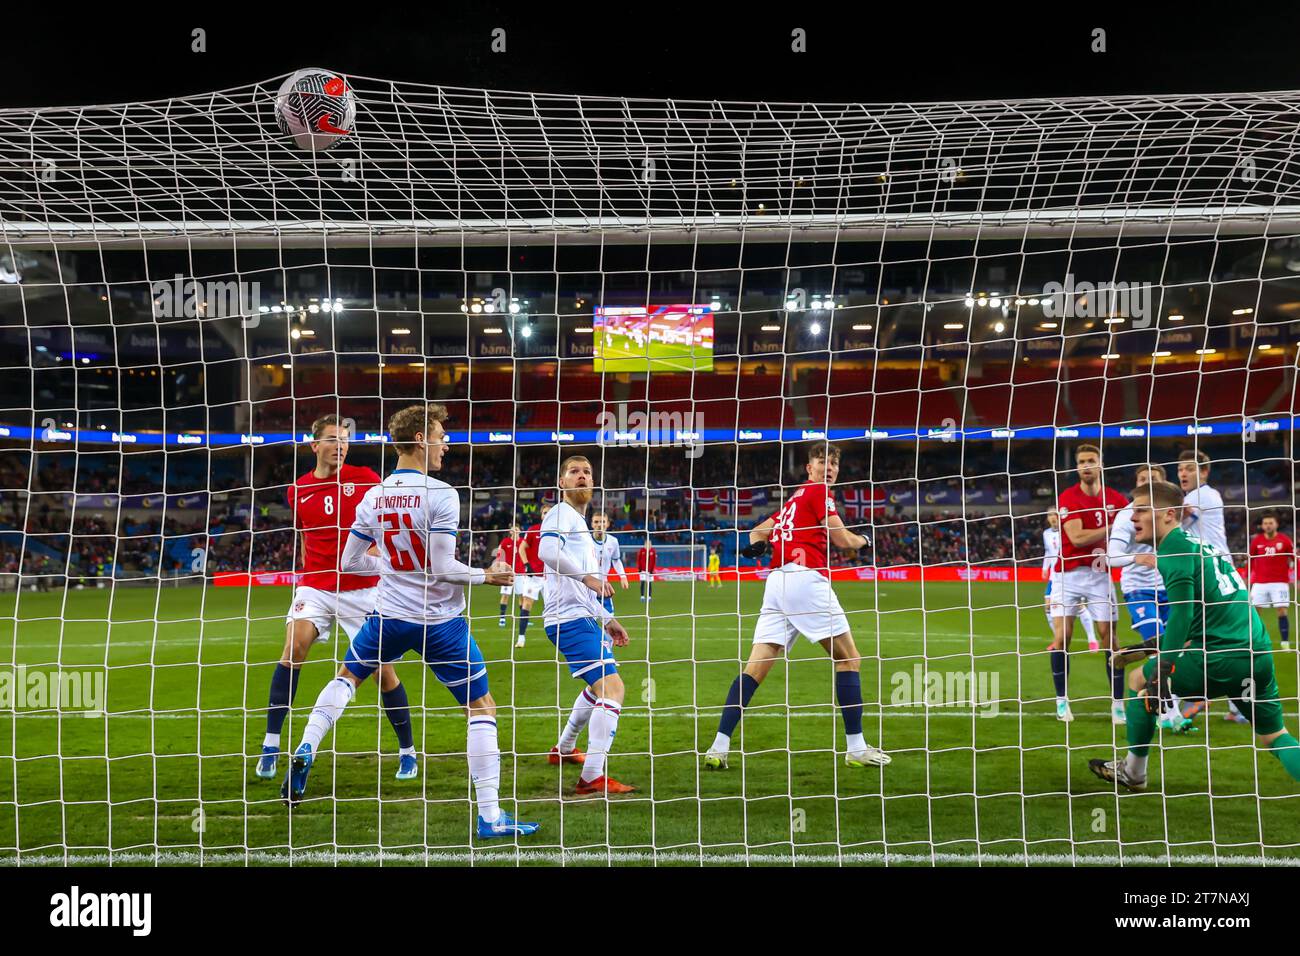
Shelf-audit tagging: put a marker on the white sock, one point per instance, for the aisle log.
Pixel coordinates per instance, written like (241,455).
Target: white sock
(600,737)
(857,743)
(334,696)
(271,740)
(721,744)
(1135,766)
(578,718)
(1062,700)
(404,751)
(485,766)
(1233,707)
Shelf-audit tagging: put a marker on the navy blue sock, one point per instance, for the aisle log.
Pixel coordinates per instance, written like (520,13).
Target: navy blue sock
(284,685)
(848,692)
(1116,679)
(1284,626)
(399,715)
(742,689)
(523,622)
(504,606)
(1060,663)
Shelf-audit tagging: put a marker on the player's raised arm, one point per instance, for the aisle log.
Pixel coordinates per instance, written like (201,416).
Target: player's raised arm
(758,539)
(554,556)
(357,558)
(841,536)
(445,568)
(1120,544)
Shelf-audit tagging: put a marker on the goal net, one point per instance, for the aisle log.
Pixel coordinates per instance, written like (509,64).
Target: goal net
(690,294)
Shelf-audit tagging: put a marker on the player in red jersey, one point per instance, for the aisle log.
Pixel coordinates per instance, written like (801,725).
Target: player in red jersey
(512,552)
(1087,510)
(798,599)
(529,586)
(1272,557)
(647,560)
(324,503)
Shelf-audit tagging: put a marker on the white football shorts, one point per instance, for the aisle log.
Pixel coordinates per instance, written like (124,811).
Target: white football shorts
(323,608)
(1270,595)
(798,600)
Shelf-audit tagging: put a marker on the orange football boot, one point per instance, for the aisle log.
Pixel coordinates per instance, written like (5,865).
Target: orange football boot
(555,758)
(602,784)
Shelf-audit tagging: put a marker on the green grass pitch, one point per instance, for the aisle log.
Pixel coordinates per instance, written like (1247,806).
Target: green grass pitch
(168,775)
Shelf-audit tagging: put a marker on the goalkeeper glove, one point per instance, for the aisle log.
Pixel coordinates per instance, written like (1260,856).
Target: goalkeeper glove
(1159,690)
(755,549)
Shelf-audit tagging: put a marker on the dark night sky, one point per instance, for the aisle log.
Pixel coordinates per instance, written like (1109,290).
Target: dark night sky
(898,52)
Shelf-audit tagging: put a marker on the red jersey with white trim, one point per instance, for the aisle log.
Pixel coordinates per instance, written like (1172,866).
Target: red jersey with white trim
(1096,511)
(533,539)
(509,552)
(799,534)
(1270,559)
(323,511)
(646,559)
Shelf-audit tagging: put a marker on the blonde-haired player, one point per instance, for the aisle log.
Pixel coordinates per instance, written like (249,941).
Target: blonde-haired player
(413,519)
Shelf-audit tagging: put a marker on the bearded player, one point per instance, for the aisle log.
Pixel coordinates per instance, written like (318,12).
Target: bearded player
(324,503)
(582,630)
(411,520)
(1214,645)
(798,599)
(1087,510)
(1272,558)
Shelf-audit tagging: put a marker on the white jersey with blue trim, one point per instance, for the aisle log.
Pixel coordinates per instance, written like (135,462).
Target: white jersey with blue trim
(567,598)
(610,554)
(400,516)
(1206,522)
(1134,577)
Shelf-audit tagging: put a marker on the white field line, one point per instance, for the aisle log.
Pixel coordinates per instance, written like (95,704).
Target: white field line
(521,854)
(532,711)
(484,634)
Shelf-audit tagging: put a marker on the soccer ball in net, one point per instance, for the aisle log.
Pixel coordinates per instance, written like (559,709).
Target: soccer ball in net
(316,107)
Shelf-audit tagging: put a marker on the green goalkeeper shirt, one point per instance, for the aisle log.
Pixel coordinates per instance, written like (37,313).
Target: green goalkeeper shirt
(1209,603)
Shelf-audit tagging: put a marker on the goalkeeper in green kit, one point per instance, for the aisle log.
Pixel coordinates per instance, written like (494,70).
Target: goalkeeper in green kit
(1214,644)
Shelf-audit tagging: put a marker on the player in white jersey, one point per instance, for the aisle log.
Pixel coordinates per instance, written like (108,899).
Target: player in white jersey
(610,554)
(413,519)
(1203,517)
(1143,588)
(582,630)
(1202,505)
(1052,551)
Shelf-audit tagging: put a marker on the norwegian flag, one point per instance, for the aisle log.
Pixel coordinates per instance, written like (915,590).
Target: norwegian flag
(706,500)
(733,503)
(855,503)
(744,502)
(551,496)
(879,500)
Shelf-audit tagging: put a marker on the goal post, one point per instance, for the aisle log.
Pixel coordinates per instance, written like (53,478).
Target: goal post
(690,294)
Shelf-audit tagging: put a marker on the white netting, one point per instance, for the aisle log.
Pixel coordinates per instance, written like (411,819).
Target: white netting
(958,294)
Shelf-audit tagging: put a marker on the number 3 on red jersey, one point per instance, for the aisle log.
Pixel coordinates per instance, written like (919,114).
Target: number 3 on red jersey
(401,558)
